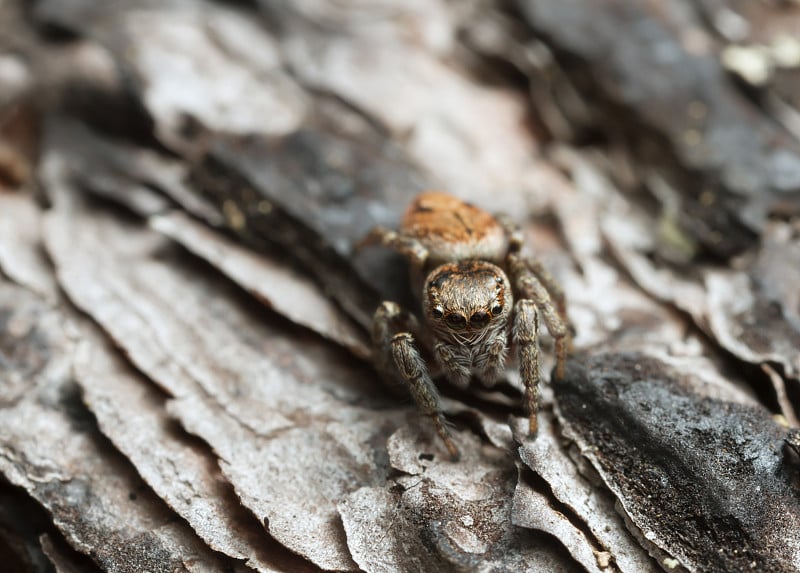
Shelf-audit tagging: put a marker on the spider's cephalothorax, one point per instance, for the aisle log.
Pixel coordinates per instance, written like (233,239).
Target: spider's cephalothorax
(461,261)
(466,307)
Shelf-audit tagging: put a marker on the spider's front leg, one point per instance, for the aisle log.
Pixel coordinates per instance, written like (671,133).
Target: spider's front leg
(395,346)
(532,288)
(526,335)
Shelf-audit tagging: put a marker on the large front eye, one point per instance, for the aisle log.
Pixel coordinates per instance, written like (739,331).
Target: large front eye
(456,321)
(479,319)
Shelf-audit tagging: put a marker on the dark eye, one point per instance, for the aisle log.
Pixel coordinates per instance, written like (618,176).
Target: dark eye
(497,309)
(437,313)
(479,319)
(456,320)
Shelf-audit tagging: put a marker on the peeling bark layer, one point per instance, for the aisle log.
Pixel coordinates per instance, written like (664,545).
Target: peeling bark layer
(185,371)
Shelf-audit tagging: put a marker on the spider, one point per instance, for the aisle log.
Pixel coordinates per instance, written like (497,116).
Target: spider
(468,268)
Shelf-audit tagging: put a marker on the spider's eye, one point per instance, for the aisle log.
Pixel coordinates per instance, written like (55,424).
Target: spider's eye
(497,309)
(479,319)
(456,320)
(437,313)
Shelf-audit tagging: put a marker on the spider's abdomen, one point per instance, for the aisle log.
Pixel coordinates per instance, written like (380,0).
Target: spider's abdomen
(453,230)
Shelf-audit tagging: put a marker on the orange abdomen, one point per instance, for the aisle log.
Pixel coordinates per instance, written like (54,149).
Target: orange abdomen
(453,230)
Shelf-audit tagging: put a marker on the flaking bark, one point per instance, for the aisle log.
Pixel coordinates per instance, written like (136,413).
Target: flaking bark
(184,369)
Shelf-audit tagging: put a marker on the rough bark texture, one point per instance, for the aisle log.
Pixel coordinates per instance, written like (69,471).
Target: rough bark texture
(185,371)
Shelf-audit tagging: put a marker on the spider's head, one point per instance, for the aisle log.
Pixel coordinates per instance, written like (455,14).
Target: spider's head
(465,299)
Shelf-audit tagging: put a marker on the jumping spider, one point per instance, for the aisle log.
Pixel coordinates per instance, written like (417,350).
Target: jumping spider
(468,267)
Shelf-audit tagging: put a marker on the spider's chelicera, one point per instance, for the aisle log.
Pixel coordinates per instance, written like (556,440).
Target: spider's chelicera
(479,297)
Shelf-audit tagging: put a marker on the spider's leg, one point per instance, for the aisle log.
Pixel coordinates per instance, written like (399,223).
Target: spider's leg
(389,319)
(512,231)
(550,283)
(409,247)
(397,357)
(413,370)
(526,334)
(515,242)
(532,288)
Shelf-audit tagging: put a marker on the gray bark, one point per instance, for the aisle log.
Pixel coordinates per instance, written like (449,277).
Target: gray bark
(185,376)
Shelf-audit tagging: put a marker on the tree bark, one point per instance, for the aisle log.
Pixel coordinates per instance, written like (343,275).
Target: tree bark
(185,365)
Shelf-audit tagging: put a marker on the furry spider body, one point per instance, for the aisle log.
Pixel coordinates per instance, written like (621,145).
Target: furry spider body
(467,266)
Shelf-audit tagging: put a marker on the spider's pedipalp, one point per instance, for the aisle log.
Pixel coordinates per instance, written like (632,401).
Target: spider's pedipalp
(455,364)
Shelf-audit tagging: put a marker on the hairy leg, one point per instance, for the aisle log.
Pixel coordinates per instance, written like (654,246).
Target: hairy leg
(397,357)
(512,231)
(526,335)
(410,248)
(550,283)
(515,242)
(413,370)
(532,288)
(389,319)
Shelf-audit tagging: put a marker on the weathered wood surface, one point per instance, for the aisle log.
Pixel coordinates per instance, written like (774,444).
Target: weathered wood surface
(184,361)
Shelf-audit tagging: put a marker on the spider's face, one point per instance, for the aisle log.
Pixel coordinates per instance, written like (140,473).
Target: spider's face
(466,299)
